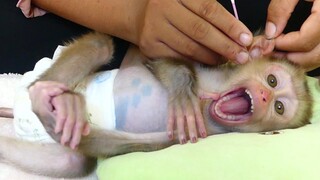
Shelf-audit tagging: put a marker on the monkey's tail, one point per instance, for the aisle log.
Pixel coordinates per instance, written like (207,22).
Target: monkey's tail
(107,143)
(6,112)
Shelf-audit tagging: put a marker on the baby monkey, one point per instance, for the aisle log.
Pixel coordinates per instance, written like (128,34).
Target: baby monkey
(262,95)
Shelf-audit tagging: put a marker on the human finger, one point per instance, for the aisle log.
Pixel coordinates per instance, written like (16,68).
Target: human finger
(218,16)
(209,34)
(307,38)
(189,48)
(279,11)
(308,60)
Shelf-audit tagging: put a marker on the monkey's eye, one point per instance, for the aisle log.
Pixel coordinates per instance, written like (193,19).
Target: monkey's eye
(278,106)
(272,80)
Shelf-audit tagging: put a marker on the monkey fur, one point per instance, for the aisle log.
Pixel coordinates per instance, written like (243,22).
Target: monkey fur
(271,95)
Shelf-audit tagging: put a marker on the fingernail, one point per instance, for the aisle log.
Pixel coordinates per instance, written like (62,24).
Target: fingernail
(255,53)
(270,30)
(74,147)
(183,140)
(242,57)
(170,135)
(203,134)
(193,139)
(245,39)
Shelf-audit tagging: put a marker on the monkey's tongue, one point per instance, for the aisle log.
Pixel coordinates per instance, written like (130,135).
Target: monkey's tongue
(236,106)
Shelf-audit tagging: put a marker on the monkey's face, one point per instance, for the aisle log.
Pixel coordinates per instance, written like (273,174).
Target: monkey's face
(262,97)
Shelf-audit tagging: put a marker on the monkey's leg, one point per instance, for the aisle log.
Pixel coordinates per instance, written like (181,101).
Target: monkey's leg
(107,143)
(80,58)
(179,79)
(49,159)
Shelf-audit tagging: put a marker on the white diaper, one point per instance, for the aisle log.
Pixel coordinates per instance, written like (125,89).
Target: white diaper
(99,101)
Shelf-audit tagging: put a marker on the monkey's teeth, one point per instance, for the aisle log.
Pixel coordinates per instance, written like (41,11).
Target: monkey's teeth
(251,100)
(221,114)
(231,117)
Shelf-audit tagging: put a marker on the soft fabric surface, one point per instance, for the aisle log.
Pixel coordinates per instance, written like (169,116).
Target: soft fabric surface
(291,154)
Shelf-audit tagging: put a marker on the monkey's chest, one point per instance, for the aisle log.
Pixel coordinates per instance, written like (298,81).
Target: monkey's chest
(140,101)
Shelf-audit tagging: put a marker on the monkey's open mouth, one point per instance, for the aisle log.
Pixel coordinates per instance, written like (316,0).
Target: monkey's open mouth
(235,106)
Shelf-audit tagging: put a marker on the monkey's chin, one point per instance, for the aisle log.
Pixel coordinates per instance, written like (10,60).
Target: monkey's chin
(234,107)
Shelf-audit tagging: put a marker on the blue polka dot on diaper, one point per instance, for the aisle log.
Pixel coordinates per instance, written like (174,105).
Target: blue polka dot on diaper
(146,90)
(136,82)
(102,77)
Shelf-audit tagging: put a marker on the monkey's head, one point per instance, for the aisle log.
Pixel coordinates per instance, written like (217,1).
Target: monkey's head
(263,95)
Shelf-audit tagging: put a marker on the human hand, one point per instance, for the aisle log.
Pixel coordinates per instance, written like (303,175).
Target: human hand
(71,119)
(300,47)
(199,30)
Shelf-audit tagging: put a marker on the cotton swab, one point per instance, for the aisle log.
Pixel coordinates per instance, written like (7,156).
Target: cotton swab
(234,9)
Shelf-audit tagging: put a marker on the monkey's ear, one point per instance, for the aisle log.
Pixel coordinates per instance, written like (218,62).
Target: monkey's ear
(266,46)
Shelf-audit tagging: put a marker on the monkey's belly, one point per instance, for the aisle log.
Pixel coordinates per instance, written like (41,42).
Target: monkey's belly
(140,101)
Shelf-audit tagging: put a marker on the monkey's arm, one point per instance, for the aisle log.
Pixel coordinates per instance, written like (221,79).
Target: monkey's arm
(80,58)
(179,78)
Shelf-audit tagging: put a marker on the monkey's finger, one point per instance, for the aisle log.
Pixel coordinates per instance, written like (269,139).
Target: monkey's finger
(60,106)
(77,134)
(170,122)
(50,88)
(199,118)
(180,124)
(69,124)
(86,130)
(208,95)
(54,91)
(80,123)
(191,122)
(200,124)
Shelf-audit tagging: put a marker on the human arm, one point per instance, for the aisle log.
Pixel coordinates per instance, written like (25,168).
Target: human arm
(181,29)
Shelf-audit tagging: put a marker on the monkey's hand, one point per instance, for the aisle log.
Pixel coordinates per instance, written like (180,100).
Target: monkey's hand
(61,112)
(179,78)
(41,94)
(185,108)
(70,118)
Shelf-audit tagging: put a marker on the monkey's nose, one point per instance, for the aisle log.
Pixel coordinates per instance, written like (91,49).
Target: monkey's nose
(265,95)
